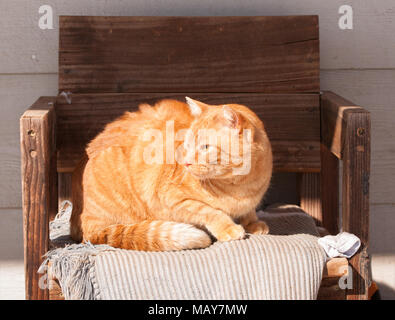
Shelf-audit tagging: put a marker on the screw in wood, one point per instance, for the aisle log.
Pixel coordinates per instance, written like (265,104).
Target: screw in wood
(31,133)
(360,132)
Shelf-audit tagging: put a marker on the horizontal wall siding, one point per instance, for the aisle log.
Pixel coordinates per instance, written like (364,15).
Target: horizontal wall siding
(382,224)
(369,45)
(11,236)
(375,91)
(358,64)
(17,93)
(191,54)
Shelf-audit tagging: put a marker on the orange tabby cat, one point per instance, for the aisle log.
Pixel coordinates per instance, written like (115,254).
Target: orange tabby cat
(121,200)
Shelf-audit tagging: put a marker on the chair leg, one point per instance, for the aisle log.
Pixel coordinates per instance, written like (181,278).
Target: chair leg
(360,276)
(38,189)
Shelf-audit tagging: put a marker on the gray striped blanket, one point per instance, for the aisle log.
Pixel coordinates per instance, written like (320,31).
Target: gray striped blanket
(286,264)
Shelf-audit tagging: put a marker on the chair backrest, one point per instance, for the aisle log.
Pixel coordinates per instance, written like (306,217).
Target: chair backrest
(189,54)
(271,64)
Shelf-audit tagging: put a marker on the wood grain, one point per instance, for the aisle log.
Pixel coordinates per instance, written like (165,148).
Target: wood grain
(345,132)
(191,54)
(334,269)
(355,192)
(334,112)
(291,120)
(330,290)
(64,189)
(310,195)
(39,201)
(330,190)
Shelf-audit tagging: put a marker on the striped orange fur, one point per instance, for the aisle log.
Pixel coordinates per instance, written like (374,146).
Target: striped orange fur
(121,200)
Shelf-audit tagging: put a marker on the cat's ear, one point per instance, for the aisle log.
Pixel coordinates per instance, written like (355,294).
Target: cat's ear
(230,118)
(196,107)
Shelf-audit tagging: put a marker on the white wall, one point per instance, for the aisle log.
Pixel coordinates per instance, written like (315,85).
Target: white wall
(358,64)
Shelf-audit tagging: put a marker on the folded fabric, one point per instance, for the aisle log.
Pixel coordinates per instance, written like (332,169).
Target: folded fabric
(343,244)
(256,268)
(287,219)
(287,264)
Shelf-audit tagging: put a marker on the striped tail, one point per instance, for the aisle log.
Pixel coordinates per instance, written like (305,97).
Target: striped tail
(151,235)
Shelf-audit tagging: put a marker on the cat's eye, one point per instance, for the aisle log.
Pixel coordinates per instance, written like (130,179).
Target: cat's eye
(205,146)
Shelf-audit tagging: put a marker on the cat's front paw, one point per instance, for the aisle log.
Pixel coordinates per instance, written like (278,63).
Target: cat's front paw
(257,227)
(233,232)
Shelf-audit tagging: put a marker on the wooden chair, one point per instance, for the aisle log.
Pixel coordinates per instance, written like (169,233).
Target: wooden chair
(271,64)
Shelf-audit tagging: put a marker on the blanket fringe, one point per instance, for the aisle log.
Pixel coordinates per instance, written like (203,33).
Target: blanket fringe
(73,264)
(73,267)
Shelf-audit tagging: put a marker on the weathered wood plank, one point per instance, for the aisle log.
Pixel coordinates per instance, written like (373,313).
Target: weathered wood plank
(334,112)
(64,192)
(310,195)
(191,54)
(37,150)
(292,123)
(355,192)
(283,189)
(356,174)
(345,131)
(335,268)
(329,190)
(374,90)
(330,290)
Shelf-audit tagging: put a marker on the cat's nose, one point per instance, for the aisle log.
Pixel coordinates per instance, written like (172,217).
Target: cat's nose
(187,164)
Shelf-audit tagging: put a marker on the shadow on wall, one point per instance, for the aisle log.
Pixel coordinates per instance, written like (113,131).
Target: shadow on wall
(282,189)
(385,292)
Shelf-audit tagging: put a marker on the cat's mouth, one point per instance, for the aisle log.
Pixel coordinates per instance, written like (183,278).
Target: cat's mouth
(201,173)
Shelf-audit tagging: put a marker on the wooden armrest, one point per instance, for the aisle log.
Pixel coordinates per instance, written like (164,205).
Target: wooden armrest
(39,187)
(338,115)
(345,131)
